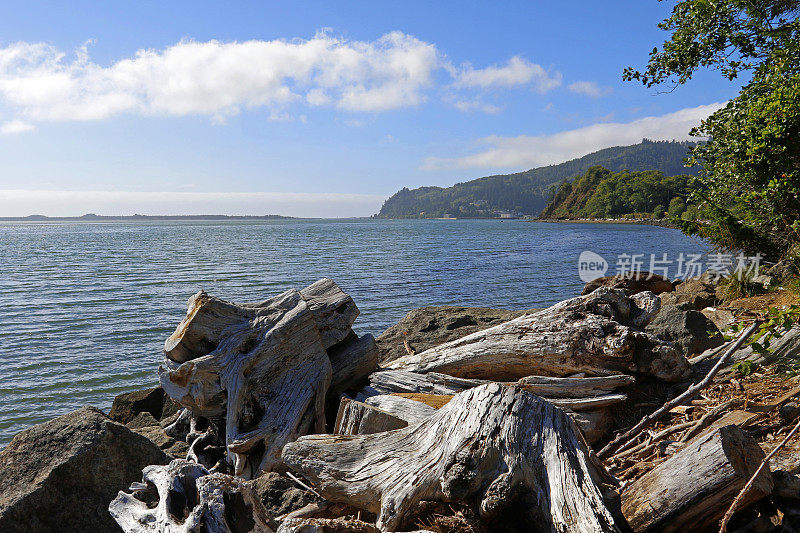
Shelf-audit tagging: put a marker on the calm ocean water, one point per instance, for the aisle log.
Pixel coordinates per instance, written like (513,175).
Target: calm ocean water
(85,307)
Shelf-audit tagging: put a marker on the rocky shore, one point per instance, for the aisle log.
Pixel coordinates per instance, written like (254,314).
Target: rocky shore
(276,416)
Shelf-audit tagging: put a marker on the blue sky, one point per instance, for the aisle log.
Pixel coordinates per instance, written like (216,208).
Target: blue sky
(314,109)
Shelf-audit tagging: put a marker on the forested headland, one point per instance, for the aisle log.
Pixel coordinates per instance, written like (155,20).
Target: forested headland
(600,193)
(527,193)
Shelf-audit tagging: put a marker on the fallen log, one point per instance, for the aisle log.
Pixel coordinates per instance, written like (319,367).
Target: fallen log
(391,381)
(513,453)
(550,387)
(597,334)
(261,367)
(691,490)
(356,418)
(183,497)
(411,411)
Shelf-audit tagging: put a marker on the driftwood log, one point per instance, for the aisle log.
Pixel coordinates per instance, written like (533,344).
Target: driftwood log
(515,455)
(356,418)
(406,409)
(183,497)
(263,367)
(597,334)
(691,490)
(389,381)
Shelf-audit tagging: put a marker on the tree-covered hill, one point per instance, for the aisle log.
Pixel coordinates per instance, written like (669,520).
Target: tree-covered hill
(526,193)
(600,193)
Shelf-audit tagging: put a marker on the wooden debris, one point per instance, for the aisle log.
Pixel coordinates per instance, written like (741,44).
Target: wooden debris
(406,409)
(356,418)
(597,333)
(493,443)
(550,387)
(623,439)
(261,367)
(691,490)
(183,497)
(394,381)
(755,479)
(351,362)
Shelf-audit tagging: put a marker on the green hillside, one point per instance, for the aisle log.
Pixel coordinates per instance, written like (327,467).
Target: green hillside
(600,193)
(527,193)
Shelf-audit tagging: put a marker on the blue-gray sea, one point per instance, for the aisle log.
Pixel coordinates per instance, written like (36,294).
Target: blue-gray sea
(85,307)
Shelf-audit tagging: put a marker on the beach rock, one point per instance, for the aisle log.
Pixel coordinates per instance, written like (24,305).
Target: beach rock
(281,495)
(59,476)
(688,329)
(722,318)
(156,433)
(127,405)
(428,327)
(631,284)
(697,293)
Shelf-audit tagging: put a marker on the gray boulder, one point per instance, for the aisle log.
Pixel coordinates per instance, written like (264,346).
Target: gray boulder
(281,495)
(428,327)
(61,475)
(690,330)
(695,293)
(128,405)
(632,283)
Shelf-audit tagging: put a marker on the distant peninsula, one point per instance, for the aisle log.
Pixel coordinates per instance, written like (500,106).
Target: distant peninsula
(91,217)
(525,194)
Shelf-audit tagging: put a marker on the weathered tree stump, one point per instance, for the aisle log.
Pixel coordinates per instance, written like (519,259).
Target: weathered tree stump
(513,453)
(597,334)
(183,497)
(691,490)
(262,367)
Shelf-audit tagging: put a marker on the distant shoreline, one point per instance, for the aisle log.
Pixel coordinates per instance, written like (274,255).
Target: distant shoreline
(664,223)
(135,218)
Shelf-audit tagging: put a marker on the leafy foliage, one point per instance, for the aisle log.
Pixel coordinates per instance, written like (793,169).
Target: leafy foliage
(600,193)
(748,190)
(775,324)
(528,192)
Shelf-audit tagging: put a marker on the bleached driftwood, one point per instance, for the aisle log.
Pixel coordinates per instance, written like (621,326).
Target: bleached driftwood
(262,367)
(691,490)
(356,418)
(550,387)
(334,311)
(183,497)
(351,362)
(596,334)
(495,445)
(411,411)
(390,381)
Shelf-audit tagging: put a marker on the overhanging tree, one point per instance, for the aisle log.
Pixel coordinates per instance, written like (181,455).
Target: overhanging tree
(749,187)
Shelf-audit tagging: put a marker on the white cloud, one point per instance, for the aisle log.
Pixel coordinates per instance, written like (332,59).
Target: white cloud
(518,71)
(469,106)
(527,151)
(218,78)
(15,126)
(75,203)
(588,88)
